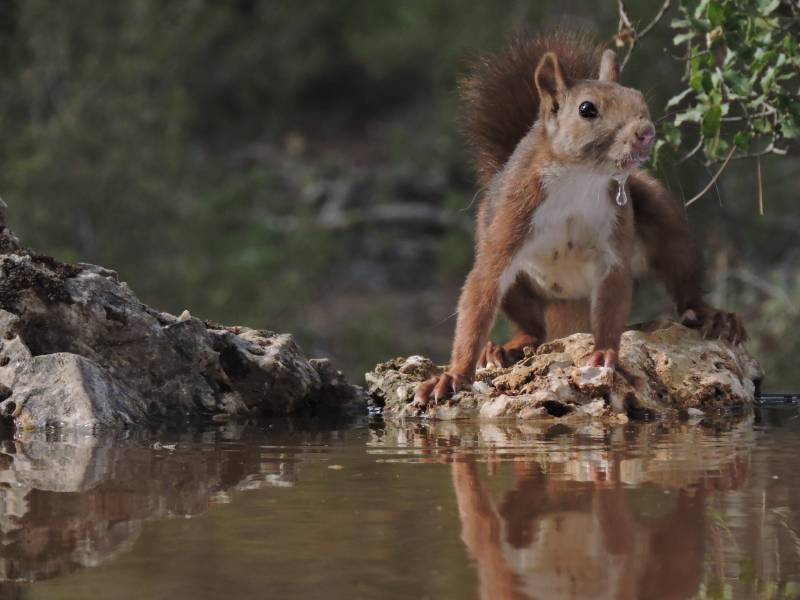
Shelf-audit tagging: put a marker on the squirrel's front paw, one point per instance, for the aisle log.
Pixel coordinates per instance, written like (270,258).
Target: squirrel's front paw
(603,358)
(439,387)
(715,323)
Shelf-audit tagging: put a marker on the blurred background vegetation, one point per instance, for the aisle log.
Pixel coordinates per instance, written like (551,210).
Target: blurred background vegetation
(297,166)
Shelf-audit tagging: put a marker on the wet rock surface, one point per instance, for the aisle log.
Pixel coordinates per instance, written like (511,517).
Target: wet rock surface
(80,350)
(666,369)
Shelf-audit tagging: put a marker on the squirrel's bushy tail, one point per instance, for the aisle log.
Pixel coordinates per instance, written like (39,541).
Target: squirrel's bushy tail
(500,97)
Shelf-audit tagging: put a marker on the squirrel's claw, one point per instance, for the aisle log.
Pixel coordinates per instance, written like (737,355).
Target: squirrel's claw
(715,323)
(438,388)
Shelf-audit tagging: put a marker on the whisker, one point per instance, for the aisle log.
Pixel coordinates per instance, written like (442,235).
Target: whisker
(446,319)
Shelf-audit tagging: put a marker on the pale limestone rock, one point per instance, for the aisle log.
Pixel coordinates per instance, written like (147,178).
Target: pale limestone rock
(665,368)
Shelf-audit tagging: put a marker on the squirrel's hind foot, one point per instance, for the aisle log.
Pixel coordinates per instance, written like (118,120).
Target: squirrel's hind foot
(500,357)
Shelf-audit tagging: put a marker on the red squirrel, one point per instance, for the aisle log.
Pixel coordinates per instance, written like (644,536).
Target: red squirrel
(567,220)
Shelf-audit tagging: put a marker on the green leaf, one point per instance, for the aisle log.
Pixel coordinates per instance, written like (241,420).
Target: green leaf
(696,81)
(762,125)
(789,45)
(682,37)
(768,79)
(701,8)
(701,81)
(715,147)
(757,103)
(737,83)
(675,100)
(715,14)
(657,149)
(768,6)
(742,140)
(790,127)
(671,134)
(712,121)
(762,58)
(730,56)
(697,20)
(693,115)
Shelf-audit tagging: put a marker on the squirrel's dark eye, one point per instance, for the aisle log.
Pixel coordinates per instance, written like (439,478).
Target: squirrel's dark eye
(588,110)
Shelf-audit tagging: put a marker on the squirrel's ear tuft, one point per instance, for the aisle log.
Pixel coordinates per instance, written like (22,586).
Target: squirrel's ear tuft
(609,70)
(550,82)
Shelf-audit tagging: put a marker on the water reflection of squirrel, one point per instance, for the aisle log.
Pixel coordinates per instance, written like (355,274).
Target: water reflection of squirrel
(556,141)
(562,538)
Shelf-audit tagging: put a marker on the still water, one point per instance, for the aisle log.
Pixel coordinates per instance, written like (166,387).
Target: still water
(286,510)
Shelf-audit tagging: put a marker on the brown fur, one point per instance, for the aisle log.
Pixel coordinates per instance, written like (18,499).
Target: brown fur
(480,298)
(612,303)
(500,97)
(524,123)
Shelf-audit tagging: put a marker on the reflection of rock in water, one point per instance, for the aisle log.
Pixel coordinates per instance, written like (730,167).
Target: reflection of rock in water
(74,501)
(592,512)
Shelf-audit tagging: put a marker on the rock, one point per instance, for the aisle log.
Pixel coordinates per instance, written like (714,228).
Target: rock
(67,390)
(665,369)
(80,350)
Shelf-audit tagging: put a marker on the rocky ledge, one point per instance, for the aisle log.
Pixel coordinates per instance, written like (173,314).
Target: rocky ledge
(666,369)
(78,349)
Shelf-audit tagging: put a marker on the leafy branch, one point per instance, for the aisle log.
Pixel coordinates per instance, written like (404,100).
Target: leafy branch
(741,97)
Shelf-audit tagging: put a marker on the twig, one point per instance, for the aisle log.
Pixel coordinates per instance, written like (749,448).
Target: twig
(713,179)
(692,152)
(771,149)
(656,19)
(628,34)
(624,19)
(765,113)
(760,188)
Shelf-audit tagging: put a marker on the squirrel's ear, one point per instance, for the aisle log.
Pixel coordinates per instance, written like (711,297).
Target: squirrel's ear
(609,71)
(550,82)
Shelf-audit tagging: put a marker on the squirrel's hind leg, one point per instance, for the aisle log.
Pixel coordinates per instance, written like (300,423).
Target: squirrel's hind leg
(675,258)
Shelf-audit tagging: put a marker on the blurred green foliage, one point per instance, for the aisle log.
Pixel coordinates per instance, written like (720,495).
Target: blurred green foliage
(230,157)
(742,77)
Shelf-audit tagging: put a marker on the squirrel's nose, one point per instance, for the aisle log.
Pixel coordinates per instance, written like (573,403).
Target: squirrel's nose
(645,136)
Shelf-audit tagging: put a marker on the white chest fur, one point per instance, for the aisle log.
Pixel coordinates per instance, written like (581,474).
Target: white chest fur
(569,250)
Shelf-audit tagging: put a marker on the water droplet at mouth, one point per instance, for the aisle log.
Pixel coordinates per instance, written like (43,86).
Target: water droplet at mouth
(622,195)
